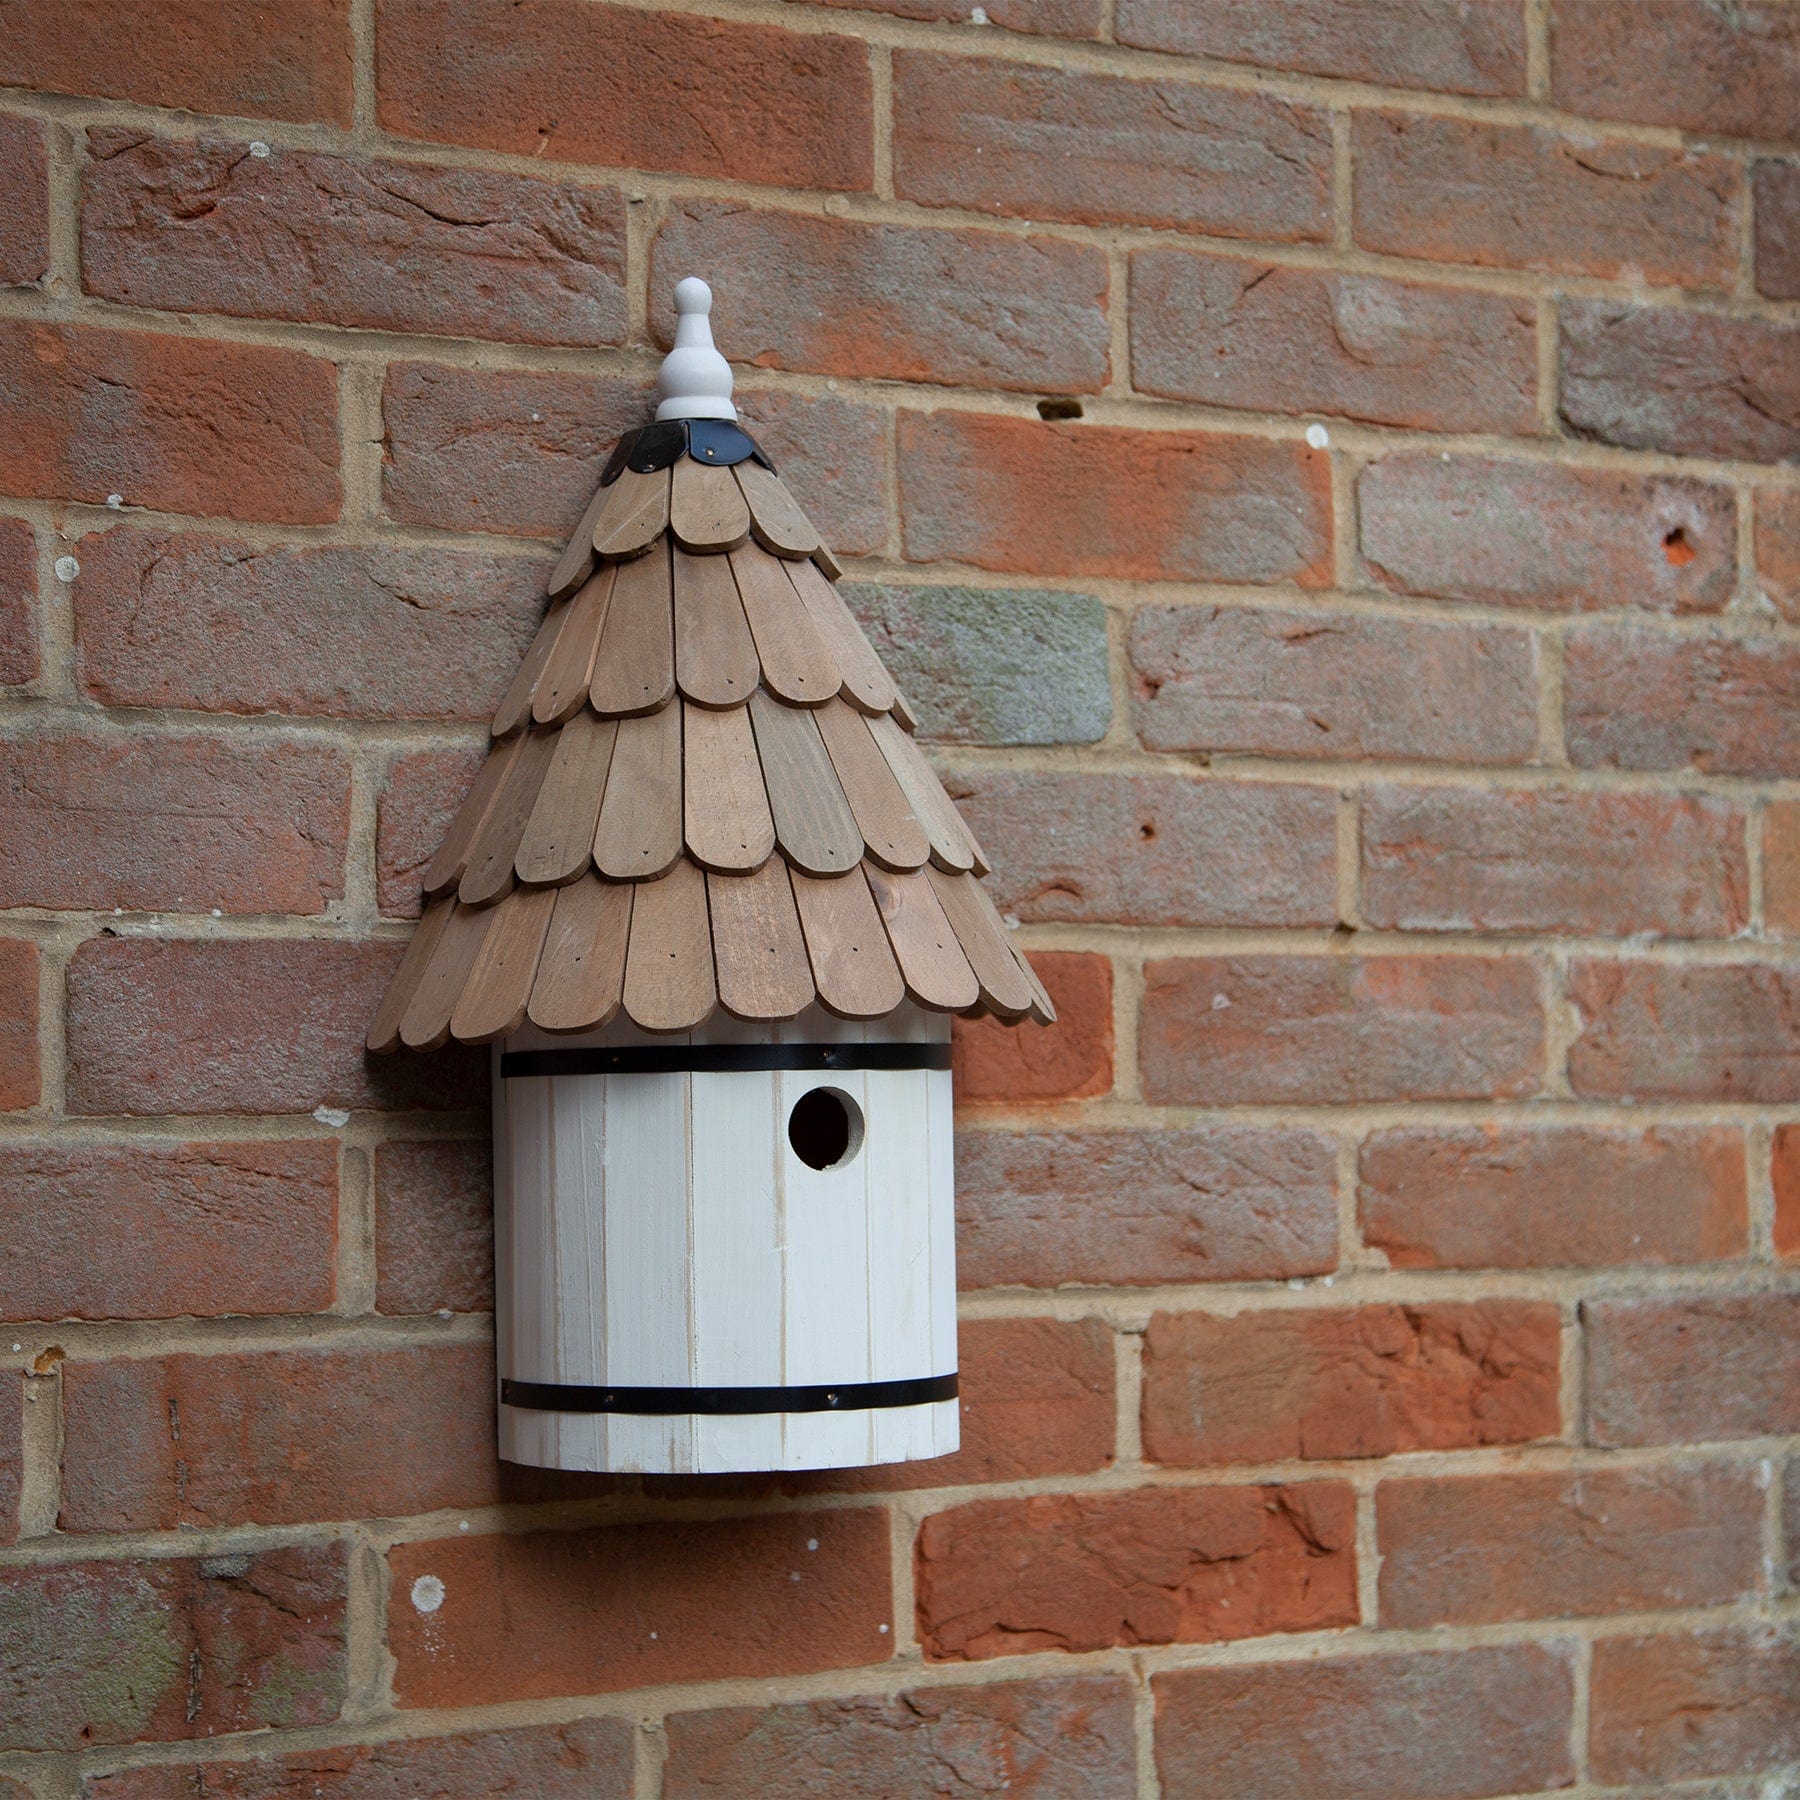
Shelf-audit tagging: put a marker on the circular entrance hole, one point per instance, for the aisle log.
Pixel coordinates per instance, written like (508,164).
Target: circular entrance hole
(825,1128)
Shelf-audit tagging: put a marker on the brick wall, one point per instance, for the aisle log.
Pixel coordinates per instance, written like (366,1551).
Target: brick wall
(1327,474)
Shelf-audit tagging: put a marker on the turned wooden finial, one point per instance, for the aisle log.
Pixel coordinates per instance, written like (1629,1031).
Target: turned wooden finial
(695,380)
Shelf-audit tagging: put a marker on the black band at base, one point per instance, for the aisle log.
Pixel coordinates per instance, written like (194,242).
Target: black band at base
(848,1396)
(719,1059)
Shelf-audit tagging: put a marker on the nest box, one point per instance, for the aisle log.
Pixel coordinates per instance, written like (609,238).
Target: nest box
(714,912)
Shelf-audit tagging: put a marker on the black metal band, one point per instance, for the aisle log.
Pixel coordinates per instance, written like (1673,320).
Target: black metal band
(849,1396)
(720,1059)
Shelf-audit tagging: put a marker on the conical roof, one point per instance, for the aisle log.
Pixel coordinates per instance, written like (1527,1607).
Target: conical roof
(703,791)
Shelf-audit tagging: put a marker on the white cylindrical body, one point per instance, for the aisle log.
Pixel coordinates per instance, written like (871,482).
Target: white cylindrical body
(659,1231)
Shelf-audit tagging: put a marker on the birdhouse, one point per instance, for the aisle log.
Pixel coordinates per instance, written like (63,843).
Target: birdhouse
(714,912)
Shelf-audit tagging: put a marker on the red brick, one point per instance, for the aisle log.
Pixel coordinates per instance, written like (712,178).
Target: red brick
(1037,1740)
(1776,190)
(1224,678)
(18,603)
(1522,197)
(1778,548)
(434,1227)
(656,90)
(1709,1031)
(24,198)
(234,430)
(214,1228)
(171,1026)
(1453,46)
(1324,1383)
(1141,1208)
(1479,1549)
(1070,1060)
(842,297)
(1464,859)
(291,234)
(207,56)
(1050,18)
(1499,1197)
(1679,62)
(1683,1705)
(1634,699)
(588,1759)
(1784,1172)
(19,1080)
(160,823)
(627,1606)
(1154,850)
(1063,499)
(423,790)
(276,1438)
(1547,537)
(167,1648)
(1700,1366)
(833,457)
(1693,384)
(1081,1572)
(1037,143)
(322,629)
(1260,336)
(1330,1030)
(12,1463)
(1436,1725)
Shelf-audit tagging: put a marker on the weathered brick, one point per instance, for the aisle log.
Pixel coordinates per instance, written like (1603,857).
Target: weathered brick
(1710,1031)
(434,1227)
(234,430)
(1784,1174)
(1775,188)
(1227,332)
(222,626)
(1048,18)
(1080,1572)
(12,1464)
(1154,849)
(1552,538)
(1359,1381)
(1478,1549)
(1523,197)
(1465,859)
(509,450)
(1699,1366)
(423,790)
(779,106)
(153,822)
(18,603)
(587,1759)
(1635,699)
(1679,62)
(1435,1725)
(1063,499)
(992,665)
(1140,1208)
(278,1437)
(207,56)
(1037,143)
(1689,1704)
(1453,46)
(171,1026)
(843,297)
(167,1648)
(1778,548)
(19,1078)
(1693,384)
(833,458)
(1505,1197)
(214,1228)
(1224,678)
(1325,1030)
(24,199)
(1038,1740)
(1070,1060)
(293,234)
(588,1612)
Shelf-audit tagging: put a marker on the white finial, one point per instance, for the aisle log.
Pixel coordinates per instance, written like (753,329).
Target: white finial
(695,380)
